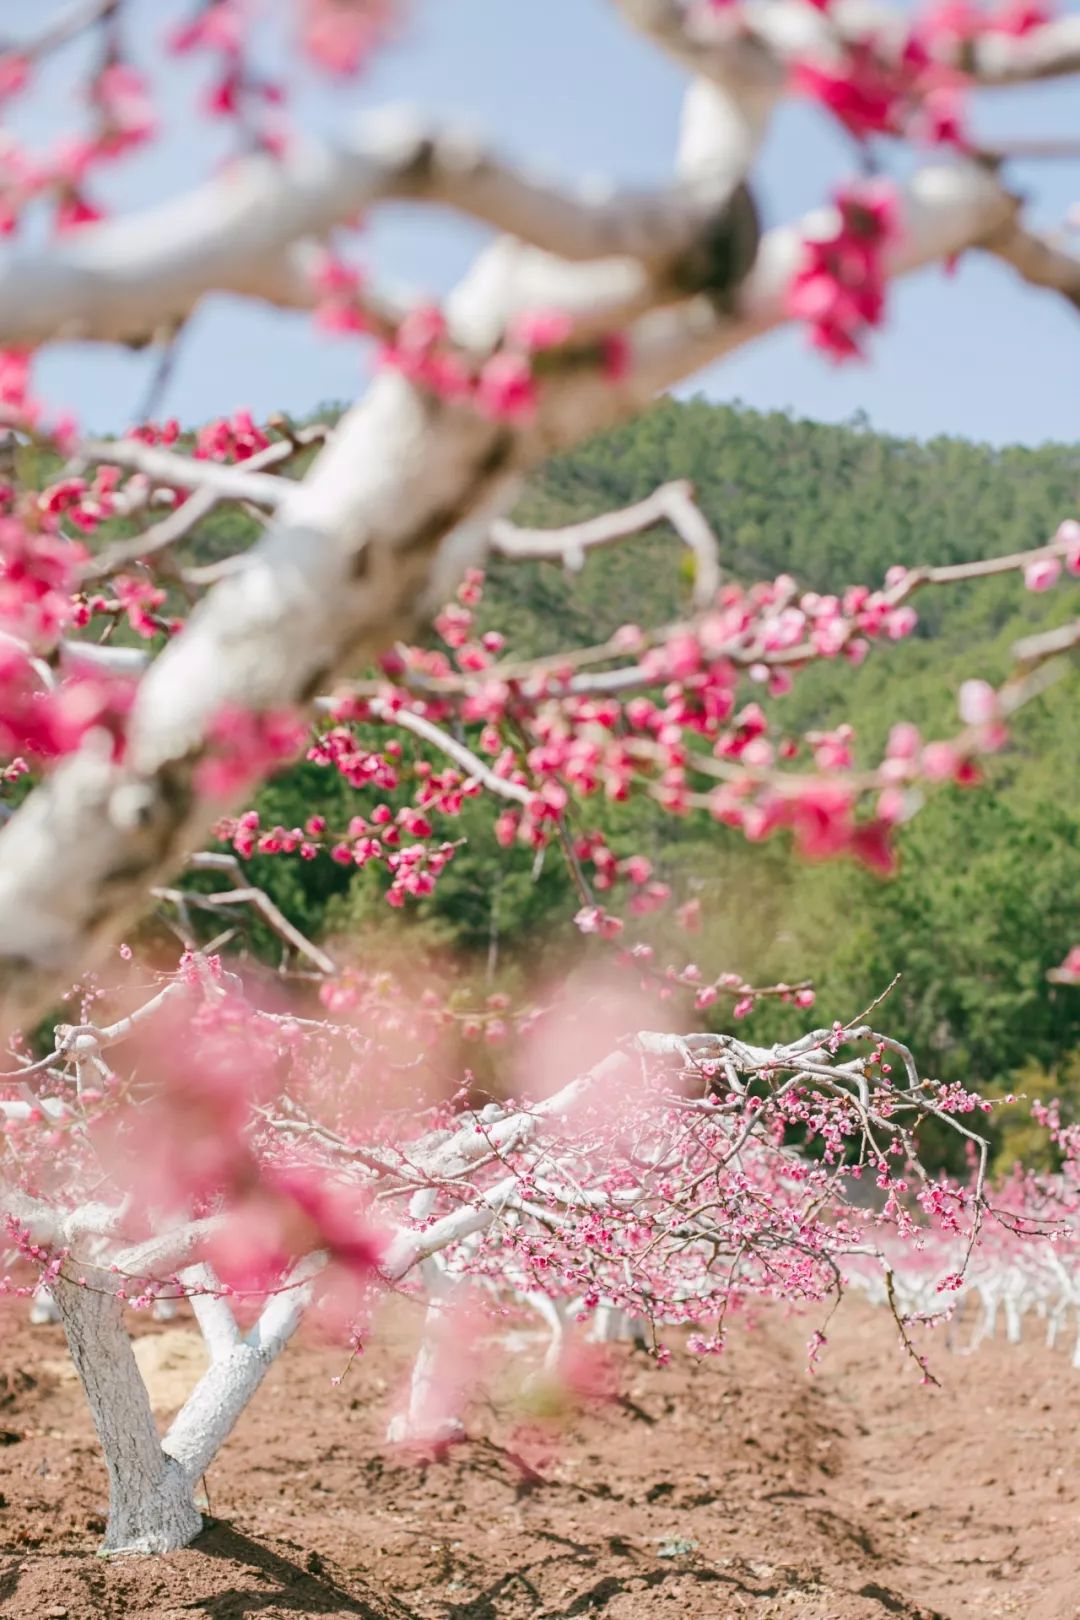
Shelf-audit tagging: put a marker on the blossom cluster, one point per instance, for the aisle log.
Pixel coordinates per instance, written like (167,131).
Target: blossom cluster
(839,289)
(913,86)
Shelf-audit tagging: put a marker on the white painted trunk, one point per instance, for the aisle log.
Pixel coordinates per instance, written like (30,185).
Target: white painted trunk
(427,1419)
(151,1507)
(151,1481)
(1012,1321)
(237,1366)
(213,1408)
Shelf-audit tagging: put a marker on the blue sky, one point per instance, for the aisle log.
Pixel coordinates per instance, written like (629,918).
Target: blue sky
(565,86)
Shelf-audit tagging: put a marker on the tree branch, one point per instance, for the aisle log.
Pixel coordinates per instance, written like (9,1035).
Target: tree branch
(186,518)
(429,732)
(671,503)
(249,231)
(1038,260)
(73,20)
(239,483)
(213,1313)
(247,895)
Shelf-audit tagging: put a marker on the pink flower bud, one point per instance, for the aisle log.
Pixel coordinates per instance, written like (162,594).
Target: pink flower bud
(904,741)
(540,329)
(978,703)
(1042,575)
(940,761)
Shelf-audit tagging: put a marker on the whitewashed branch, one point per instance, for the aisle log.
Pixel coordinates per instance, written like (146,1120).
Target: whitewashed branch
(247,895)
(239,483)
(186,518)
(19,1109)
(40,1219)
(167,1253)
(247,232)
(429,732)
(673,504)
(101,657)
(211,1411)
(998,60)
(213,1313)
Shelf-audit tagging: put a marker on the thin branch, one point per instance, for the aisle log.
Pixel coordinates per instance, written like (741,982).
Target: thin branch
(1048,644)
(73,20)
(185,472)
(77,1040)
(442,740)
(259,901)
(546,676)
(1021,148)
(186,518)
(673,504)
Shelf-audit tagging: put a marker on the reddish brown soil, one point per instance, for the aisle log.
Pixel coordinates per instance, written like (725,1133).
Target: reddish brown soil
(731,1489)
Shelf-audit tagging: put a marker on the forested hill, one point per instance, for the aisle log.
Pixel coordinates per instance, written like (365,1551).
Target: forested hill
(989,893)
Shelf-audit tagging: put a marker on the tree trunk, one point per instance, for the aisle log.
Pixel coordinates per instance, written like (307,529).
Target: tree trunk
(428,1417)
(151,1507)
(210,1412)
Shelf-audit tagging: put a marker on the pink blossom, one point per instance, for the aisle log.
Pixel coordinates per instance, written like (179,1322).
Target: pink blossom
(537,329)
(1042,575)
(978,703)
(594,920)
(900,623)
(340,39)
(904,742)
(245,745)
(688,916)
(506,390)
(839,288)
(14,74)
(940,762)
(858,95)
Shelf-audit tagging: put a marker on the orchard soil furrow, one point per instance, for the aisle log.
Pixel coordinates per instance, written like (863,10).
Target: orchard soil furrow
(738,1487)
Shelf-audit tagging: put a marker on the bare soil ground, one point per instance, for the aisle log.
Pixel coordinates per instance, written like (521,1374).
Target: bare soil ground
(738,1488)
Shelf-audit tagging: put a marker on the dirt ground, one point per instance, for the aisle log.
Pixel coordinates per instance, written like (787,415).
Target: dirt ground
(742,1487)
